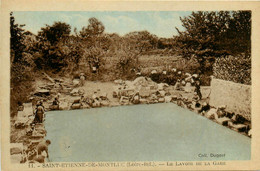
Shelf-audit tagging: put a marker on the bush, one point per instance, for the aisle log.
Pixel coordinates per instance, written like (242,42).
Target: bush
(21,85)
(236,69)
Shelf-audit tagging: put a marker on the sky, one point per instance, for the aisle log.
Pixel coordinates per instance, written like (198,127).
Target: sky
(160,23)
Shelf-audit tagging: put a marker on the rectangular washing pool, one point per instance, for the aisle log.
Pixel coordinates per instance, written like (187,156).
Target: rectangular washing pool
(158,132)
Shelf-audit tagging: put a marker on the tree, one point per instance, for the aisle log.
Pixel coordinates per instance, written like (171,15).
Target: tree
(238,36)
(55,32)
(16,40)
(94,29)
(96,42)
(141,41)
(165,43)
(50,53)
(211,34)
(21,71)
(132,45)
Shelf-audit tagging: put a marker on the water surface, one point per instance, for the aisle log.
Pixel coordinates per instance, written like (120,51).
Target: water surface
(158,132)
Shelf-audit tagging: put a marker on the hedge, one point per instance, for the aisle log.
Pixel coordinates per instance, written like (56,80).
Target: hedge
(233,68)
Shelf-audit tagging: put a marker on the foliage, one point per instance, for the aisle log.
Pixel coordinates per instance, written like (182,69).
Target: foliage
(238,36)
(231,68)
(141,41)
(94,29)
(54,33)
(127,64)
(16,40)
(214,34)
(207,37)
(51,49)
(21,65)
(164,43)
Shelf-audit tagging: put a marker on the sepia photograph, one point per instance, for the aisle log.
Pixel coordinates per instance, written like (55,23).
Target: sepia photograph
(129,86)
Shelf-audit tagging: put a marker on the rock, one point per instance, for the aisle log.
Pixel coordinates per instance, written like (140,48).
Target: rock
(220,112)
(153,87)
(174,69)
(161,100)
(115,94)
(140,81)
(144,92)
(181,103)
(54,107)
(103,96)
(77,100)
(124,100)
(187,74)
(211,114)
(138,73)
(76,82)
(104,103)
(118,81)
(21,114)
(161,86)
(16,148)
(222,107)
(81,91)
(168,99)
(223,121)
(16,158)
(195,75)
(21,122)
(143,101)
(153,99)
(174,97)
(129,83)
(76,106)
(136,100)
(164,72)
(239,127)
(188,79)
(66,90)
(249,133)
(63,106)
(162,93)
(85,106)
(74,92)
(154,72)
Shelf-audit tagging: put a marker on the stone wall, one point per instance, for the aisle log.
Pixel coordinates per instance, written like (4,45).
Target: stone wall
(236,97)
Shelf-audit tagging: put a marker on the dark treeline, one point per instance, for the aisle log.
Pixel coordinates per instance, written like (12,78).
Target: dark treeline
(58,49)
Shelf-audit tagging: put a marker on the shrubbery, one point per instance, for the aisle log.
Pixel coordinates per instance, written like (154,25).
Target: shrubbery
(231,68)
(105,57)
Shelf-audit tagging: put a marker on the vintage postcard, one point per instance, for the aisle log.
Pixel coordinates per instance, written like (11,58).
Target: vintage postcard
(120,85)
